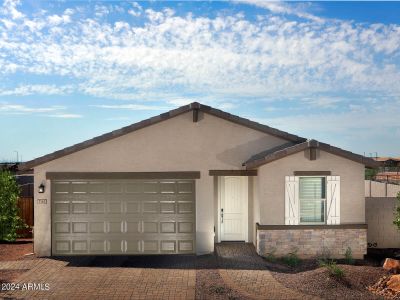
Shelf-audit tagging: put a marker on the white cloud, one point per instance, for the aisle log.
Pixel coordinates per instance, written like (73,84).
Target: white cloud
(279,7)
(133,107)
(217,59)
(65,116)
(18,108)
(136,10)
(10,8)
(55,20)
(41,89)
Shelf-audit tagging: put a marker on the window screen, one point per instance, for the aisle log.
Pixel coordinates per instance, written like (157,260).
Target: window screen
(312,199)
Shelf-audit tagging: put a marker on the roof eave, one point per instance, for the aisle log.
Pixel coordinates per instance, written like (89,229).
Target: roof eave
(366,161)
(154,120)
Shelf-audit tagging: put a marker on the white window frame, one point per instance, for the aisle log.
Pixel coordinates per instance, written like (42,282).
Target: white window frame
(325,200)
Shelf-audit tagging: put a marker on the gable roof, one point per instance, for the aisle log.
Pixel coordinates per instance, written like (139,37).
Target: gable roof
(281,152)
(157,119)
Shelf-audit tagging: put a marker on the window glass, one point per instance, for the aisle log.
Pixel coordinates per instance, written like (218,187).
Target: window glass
(312,192)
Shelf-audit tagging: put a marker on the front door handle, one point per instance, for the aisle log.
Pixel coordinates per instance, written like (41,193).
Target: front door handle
(222,215)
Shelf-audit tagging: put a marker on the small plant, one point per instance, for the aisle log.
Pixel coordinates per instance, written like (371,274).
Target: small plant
(292,260)
(325,254)
(270,256)
(334,270)
(220,290)
(348,256)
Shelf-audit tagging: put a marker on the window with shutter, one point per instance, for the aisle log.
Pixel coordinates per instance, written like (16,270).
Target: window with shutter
(291,200)
(333,200)
(312,198)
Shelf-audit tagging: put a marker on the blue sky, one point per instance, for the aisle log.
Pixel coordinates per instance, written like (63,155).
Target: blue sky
(72,70)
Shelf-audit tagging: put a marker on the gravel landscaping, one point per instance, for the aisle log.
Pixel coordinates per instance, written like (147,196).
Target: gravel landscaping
(309,278)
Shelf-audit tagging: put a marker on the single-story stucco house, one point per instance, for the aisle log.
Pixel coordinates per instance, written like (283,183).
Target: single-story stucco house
(194,176)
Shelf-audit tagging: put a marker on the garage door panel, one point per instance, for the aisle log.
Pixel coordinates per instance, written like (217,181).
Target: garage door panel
(98,246)
(98,227)
(167,227)
(133,246)
(123,217)
(185,187)
(168,246)
(80,246)
(61,227)
(150,246)
(116,246)
(150,227)
(79,187)
(115,188)
(186,227)
(115,227)
(150,207)
(151,187)
(61,187)
(61,207)
(168,187)
(133,227)
(114,207)
(168,207)
(185,207)
(134,188)
(80,227)
(97,207)
(186,246)
(62,246)
(97,188)
(132,207)
(79,207)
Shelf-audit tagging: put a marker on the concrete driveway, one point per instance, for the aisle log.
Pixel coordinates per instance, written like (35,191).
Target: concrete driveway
(235,271)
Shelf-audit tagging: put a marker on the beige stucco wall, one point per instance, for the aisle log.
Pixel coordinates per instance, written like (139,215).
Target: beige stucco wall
(176,144)
(271,185)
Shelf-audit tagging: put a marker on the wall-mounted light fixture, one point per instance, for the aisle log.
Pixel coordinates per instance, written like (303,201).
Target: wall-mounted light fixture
(41,188)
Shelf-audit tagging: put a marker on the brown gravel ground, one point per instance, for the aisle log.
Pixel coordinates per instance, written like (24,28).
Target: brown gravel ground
(320,283)
(16,250)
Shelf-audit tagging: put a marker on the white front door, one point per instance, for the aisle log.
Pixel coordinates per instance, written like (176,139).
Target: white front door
(233,208)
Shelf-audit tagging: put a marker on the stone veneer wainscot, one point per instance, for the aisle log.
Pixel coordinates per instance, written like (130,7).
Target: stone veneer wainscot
(311,241)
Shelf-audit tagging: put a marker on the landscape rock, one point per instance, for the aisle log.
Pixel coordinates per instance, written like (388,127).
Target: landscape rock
(392,265)
(394,283)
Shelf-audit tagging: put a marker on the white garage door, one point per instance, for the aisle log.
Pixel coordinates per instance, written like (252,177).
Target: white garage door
(123,217)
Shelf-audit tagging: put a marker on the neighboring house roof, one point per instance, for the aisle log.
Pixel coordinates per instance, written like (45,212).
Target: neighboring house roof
(268,156)
(386,159)
(154,120)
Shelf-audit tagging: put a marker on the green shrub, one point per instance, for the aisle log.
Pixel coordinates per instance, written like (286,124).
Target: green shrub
(333,268)
(348,256)
(292,260)
(270,256)
(10,221)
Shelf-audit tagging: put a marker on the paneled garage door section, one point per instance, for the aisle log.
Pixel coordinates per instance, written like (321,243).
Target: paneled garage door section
(123,217)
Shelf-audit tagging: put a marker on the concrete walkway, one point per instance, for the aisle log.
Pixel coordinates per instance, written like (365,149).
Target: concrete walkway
(145,277)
